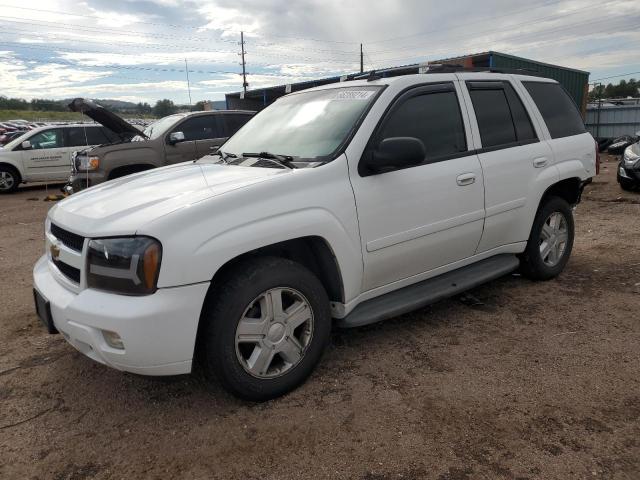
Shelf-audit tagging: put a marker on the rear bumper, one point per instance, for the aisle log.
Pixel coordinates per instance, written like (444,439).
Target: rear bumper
(158,331)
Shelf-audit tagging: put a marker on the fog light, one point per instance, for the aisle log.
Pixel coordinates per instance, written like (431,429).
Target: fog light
(113,339)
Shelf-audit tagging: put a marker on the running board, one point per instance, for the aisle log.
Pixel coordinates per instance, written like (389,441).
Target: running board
(429,291)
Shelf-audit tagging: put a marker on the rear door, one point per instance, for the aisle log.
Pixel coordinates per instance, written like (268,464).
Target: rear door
(513,159)
(48,159)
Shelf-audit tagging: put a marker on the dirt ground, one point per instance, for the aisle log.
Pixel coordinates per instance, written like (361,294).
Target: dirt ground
(518,380)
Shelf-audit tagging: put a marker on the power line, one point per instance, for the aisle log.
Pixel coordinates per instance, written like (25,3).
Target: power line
(616,76)
(459,25)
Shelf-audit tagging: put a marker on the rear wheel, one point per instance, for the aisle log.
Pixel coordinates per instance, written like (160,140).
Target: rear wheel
(266,328)
(9,179)
(550,242)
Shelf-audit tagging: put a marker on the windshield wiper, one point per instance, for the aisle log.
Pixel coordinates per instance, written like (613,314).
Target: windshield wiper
(284,160)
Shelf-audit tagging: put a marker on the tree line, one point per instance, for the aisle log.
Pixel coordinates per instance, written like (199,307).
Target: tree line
(162,108)
(621,90)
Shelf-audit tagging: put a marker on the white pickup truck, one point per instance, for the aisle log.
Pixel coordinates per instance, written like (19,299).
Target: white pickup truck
(345,204)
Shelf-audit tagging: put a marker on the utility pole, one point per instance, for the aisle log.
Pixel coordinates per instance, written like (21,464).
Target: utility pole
(244,72)
(186,69)
(361,60)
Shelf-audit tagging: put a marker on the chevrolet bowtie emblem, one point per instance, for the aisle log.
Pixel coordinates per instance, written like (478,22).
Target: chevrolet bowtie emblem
(55,251)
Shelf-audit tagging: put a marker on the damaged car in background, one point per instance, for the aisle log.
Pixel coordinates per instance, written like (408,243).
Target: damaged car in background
(172,139)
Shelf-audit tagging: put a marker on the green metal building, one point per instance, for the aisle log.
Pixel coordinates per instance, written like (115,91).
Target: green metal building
(575,81)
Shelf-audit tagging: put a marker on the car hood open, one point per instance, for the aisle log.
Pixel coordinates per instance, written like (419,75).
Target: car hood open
(124,205)
(103,116)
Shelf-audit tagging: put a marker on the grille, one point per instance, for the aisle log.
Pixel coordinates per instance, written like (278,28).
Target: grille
(71,240)
(68,271)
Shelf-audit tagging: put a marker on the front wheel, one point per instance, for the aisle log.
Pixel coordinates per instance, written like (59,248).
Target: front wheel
(550,242)
(9,179)
(626,184)
(266,327)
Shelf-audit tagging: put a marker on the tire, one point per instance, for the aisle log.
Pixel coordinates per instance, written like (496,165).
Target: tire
(535,262)
(626,184)
(9,179)
(242,302)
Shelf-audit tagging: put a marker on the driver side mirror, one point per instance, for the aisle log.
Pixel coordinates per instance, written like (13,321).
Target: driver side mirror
(396,153)
(176,137)
(26,145)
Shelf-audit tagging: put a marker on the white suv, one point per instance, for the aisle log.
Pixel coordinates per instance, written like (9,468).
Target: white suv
(44,154)
(348,203)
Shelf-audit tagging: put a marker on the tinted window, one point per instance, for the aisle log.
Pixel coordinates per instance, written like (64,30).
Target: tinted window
(494,117)
(199,128)
(521,120)
(559,111)
(233,122)
(47,139)
(433,118)
(80,137)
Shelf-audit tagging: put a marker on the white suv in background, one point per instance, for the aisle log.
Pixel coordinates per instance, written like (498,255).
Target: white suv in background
(348,203)
(44,154)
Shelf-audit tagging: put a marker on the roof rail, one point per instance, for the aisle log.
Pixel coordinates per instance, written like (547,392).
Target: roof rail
(433,68)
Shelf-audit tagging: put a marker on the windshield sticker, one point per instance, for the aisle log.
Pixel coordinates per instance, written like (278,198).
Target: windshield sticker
(353,95)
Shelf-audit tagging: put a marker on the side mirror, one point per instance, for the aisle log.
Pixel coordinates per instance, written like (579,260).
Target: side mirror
(396,153)
(26,145)
(214,149)
(176,137)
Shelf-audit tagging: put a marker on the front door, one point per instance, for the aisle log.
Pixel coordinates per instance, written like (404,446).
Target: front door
(48,159)
(420,218)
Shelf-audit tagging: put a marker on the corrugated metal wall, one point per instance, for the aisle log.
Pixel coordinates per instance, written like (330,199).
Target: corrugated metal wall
(574,81)
(614,121)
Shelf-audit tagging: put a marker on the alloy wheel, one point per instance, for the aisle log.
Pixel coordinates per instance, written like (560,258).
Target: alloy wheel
(553,239)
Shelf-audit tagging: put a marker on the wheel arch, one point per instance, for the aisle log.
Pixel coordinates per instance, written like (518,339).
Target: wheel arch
(569,189)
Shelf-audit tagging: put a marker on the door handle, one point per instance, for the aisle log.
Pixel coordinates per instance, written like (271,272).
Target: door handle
(539,162)
(466,179)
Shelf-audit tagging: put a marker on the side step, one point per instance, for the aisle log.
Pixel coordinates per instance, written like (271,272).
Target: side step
(429,291)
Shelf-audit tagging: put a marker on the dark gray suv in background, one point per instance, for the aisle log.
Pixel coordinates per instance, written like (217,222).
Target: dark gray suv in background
(172,139)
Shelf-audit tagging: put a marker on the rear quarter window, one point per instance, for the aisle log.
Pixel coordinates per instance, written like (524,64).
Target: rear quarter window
(558,110)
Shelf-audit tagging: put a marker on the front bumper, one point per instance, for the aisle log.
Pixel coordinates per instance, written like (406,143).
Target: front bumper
(80,180)
(158,331)
(629,173)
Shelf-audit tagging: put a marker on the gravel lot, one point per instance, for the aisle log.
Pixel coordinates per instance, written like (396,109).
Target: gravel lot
(518,380)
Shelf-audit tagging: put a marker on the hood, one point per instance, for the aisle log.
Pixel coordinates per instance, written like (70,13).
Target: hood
(123,206)
(103,116)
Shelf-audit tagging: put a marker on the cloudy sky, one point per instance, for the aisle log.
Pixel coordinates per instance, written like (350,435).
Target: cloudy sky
(136,50)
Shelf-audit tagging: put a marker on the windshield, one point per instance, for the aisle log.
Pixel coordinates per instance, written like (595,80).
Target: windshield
(304,125)
(158,128)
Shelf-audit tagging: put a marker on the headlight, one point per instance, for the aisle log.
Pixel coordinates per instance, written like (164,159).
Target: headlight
(84,162)
(126,265)
(630,158)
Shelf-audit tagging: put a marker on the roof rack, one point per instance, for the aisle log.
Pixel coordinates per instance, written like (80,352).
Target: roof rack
(427,68)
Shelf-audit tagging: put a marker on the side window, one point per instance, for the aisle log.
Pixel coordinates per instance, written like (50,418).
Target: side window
(521,119)
(233,122)
(559,111)
(84,136)
(47,139)
(198,128)
(434,118)
(494,117)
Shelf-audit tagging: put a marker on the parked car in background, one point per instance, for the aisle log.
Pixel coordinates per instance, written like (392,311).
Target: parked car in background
(629,168)
(44,154)
(8,136)
(619,145)
(355,201)
(172,139)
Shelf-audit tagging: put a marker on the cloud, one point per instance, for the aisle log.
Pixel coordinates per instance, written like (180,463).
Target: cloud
(136,49)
